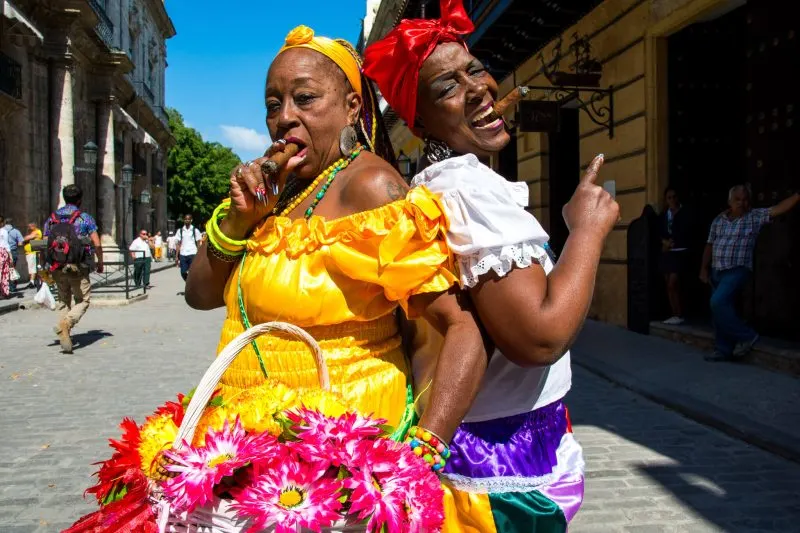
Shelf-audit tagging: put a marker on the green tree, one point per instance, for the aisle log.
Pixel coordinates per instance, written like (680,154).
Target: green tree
(198,172)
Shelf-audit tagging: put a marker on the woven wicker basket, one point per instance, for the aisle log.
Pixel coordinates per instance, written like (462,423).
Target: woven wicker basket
(219,518)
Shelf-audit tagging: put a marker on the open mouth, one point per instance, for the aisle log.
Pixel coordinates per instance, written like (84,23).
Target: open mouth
(487,119)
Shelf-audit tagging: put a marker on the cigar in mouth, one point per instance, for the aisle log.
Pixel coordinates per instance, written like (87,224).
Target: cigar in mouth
(511,99)
(272,165)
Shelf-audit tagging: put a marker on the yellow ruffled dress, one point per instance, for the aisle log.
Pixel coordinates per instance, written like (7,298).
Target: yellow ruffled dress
(341,280)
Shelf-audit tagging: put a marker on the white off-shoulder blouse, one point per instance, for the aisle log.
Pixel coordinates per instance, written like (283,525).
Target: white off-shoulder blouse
(489,230)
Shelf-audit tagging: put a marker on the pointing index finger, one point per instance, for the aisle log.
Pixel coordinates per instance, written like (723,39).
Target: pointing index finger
(594,167)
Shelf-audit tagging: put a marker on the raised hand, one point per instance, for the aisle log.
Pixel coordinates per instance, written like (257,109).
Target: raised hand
(591,207)
(252,192)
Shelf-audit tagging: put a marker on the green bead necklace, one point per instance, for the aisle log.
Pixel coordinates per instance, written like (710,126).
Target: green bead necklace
(321,194)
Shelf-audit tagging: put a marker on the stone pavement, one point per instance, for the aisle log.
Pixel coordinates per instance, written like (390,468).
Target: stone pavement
(649,469)
(756,404)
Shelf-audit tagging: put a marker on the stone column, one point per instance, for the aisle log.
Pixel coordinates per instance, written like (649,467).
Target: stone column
(107,175)
(127,195)
(62,148)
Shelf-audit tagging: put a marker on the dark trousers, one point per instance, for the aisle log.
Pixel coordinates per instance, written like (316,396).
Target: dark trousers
(729,329)
(141,271)
(185,262)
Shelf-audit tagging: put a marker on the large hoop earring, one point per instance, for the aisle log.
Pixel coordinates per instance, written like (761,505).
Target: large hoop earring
(436,150)
(348,139)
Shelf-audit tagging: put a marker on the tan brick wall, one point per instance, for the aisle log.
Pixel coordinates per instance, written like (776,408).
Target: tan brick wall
(617,30)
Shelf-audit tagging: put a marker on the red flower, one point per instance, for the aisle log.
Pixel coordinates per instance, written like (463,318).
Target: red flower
(124,463)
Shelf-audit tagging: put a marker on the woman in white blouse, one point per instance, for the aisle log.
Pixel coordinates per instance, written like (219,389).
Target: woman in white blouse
(515,465)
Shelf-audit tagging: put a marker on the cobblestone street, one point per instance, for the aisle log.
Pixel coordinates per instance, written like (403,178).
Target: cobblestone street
(649,469)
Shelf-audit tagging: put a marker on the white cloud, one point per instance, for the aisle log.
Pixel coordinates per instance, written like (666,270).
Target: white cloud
(245,139)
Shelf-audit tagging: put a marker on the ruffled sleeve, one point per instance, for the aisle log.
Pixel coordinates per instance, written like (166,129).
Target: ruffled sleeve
(489,229)
(401,248)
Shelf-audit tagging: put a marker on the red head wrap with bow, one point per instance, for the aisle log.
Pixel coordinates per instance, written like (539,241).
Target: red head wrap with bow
(394,61)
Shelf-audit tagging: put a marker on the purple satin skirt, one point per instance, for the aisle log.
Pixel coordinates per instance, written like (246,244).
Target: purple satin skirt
(533,451)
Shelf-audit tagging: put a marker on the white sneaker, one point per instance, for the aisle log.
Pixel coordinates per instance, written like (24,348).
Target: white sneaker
(673,321)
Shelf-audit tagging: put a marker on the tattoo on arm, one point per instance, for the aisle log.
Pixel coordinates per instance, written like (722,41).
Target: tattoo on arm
(395,191)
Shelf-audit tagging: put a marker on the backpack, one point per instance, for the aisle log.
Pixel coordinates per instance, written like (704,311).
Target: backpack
(64,247)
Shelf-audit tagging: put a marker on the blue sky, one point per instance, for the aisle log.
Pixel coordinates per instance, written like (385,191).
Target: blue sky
(217,62)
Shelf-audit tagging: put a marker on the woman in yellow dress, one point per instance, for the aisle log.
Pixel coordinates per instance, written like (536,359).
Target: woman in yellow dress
(336,251)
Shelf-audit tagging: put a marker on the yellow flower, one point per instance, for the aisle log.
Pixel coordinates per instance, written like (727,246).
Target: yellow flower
(158,433)
(328,403)
(213,417)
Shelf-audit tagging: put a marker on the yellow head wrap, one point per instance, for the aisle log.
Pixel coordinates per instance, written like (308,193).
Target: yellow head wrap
(303,37)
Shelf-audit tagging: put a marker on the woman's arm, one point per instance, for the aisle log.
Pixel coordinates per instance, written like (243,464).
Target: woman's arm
(461,364)
(205,286)
(534,318)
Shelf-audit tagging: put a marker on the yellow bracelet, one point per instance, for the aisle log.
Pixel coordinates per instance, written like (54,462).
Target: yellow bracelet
(212,234)
(222,239)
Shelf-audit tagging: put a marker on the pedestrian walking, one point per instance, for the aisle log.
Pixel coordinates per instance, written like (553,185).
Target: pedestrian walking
(158,244)
(72,245)
(142,260)
(189,238)
(34,234)
(172,241)
(5,261)
(15,240)
(729,254)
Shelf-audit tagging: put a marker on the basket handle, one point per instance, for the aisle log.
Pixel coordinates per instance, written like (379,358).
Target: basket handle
(208,384)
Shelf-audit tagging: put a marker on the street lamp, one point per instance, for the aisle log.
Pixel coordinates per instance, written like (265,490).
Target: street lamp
(127,183)
(89,157)
(144,197)
(404,164)
(127,176)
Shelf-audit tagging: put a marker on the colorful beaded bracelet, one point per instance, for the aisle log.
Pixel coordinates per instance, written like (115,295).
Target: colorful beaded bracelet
(429,447)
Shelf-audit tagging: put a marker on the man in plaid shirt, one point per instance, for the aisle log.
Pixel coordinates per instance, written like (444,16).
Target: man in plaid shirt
(729,253)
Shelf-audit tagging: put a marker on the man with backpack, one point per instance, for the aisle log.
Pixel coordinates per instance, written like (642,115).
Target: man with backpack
(72,244)
(189,239)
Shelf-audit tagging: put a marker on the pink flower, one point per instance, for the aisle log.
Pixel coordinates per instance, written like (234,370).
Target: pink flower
(423,504)
(199,469)
(332,440)
(394,488)
(292,494)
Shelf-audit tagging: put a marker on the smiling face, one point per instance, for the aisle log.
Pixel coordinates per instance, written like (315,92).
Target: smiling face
(309,102)
(454,102)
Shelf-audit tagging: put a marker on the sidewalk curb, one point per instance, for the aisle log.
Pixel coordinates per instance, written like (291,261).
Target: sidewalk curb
(728,422)
(21,304)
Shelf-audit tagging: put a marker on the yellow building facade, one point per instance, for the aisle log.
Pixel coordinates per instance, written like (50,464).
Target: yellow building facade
(630,40)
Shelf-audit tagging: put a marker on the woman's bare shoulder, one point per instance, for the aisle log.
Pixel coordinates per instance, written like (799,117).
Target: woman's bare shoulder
(374,183)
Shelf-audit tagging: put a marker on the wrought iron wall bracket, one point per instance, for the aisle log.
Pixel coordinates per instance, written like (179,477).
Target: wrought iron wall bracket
(598,112)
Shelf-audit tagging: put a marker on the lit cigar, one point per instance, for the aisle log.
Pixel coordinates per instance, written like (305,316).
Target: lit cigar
(279,160)
(511,99)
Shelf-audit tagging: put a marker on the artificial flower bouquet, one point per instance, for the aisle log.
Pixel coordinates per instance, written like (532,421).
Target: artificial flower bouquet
(266,459)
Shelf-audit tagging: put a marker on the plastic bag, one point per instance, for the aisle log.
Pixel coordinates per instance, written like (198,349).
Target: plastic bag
(45,297)
(15,274)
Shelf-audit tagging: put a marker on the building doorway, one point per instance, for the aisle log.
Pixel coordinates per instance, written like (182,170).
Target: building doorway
(732,120)
(564,175)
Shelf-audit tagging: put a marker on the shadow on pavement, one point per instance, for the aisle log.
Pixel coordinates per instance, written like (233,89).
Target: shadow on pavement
(82,340)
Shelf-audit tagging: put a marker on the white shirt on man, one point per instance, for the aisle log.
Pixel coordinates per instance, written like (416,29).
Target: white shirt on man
(140,245)
(188,239)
